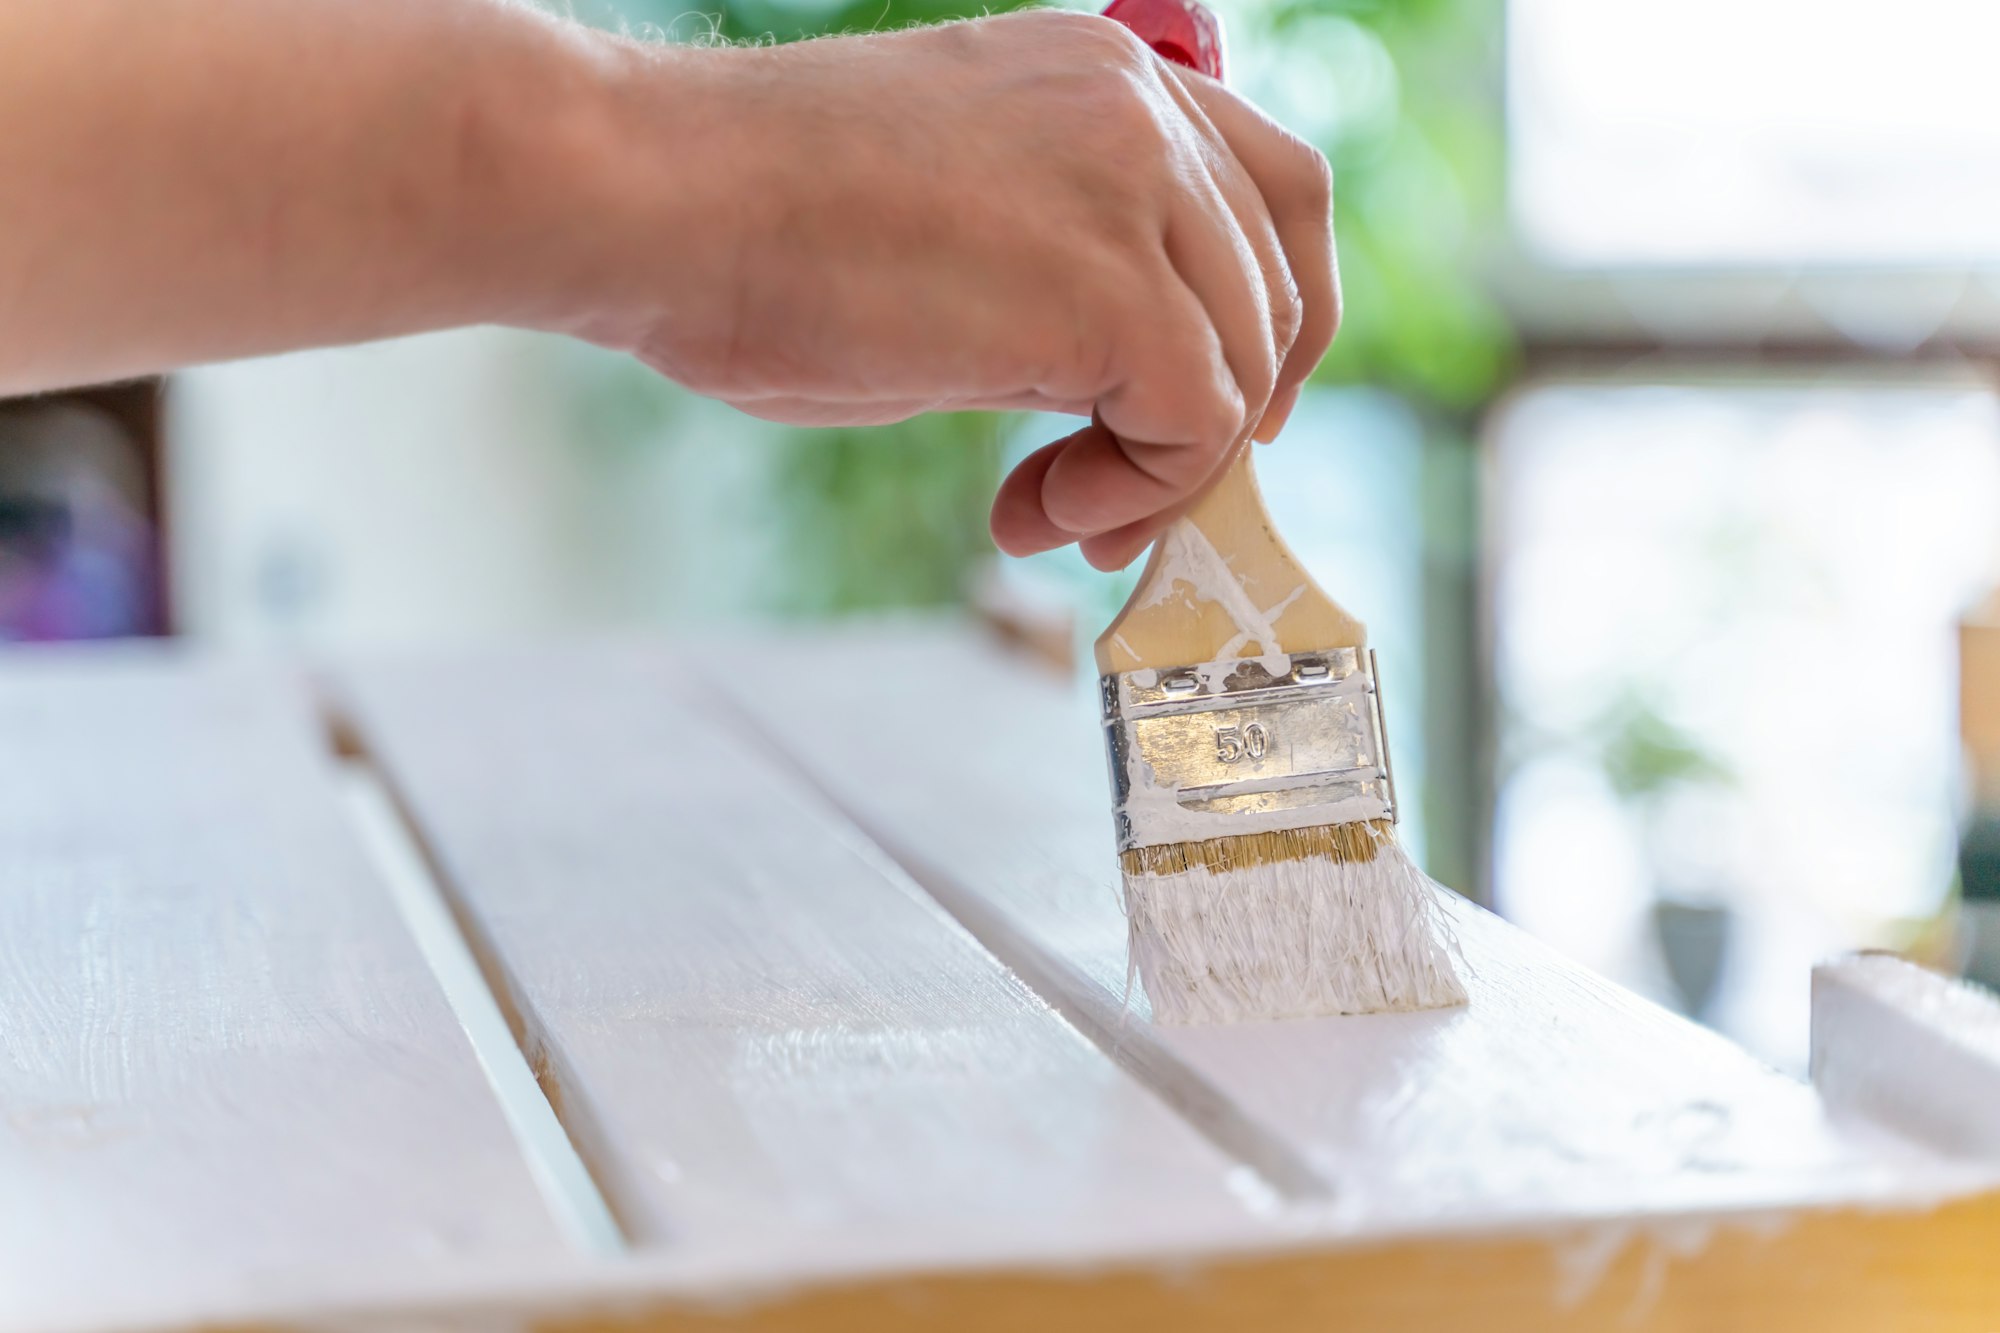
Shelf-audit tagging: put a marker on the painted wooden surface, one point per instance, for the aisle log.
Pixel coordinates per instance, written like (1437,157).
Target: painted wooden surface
(227,1081)
(816,1103)
(771,1047)
(1902,1045)
(1553,1095)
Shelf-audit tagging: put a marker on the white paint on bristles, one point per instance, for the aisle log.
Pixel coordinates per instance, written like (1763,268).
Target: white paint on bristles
(1292,939)
(1276,939)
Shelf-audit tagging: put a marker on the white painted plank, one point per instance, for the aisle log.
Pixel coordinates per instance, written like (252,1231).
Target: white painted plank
(565,1181)
(1903,1045)
(1552,1095)
(775,1052)
(227,1080)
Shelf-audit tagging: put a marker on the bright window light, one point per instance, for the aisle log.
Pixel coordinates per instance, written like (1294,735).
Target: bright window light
(1725,656)
(1755,132)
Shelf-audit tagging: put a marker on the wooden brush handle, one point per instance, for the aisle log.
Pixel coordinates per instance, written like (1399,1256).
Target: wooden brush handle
(1246,585)
(1221,581)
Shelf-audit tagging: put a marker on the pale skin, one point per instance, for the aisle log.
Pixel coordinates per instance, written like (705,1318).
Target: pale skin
(1030,211)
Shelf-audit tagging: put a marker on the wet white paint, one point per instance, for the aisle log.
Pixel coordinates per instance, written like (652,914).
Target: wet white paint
(244,1096)
(1551,1095)
(225,1071)
(765,1038)
(1192,568)
(1292,939)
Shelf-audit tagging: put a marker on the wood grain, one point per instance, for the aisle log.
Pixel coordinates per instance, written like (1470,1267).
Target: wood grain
(770,1046)
(1552,1095)
(227,1080)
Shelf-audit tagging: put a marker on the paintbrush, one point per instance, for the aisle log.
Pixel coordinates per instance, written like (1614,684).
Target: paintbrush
(1255,804)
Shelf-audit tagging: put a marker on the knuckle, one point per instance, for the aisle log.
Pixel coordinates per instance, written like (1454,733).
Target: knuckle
(1090,40)
(1119,105)
(1315,179)
(1110,40)
(1288,314)
(1217,403)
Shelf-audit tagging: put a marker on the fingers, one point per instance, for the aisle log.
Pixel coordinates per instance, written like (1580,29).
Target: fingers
(1268,340)
(1112,551)
(1196,397)
(1296,186)
(1172,407)
(1205,344)
(1227,253)
(1121,546)
(1253,246)
(1019,523)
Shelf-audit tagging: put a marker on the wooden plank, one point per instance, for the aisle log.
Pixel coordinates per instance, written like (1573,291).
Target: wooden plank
(227,1080)
(776,1054)
(1903,1045)
(1552,1096)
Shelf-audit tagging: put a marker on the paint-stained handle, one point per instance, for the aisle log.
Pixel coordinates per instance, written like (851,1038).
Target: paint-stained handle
(1183,31)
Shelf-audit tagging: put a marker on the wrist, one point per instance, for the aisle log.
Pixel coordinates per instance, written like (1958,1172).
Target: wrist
(624,211)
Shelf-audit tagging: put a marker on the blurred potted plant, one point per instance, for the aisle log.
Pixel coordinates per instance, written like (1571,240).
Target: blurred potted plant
(1649,763)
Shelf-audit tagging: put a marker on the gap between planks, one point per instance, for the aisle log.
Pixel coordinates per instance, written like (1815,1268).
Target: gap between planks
(396,848)
(1282,1171)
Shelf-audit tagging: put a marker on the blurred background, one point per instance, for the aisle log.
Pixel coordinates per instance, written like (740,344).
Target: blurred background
(1660,450)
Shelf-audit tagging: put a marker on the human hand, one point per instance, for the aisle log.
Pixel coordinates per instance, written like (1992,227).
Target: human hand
(1031,211)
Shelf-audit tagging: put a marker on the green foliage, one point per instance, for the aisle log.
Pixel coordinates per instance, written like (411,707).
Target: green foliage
(791,20)
(1643,755)
(1415,139)
(886,516)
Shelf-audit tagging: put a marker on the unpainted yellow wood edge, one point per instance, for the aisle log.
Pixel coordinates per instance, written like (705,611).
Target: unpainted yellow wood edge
(1844,1271)
(1848,1272)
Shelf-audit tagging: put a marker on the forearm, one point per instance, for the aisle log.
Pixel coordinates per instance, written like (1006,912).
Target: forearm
(190,180)
(1031,211)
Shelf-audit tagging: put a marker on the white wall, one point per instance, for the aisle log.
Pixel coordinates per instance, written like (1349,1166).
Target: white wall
(447,488)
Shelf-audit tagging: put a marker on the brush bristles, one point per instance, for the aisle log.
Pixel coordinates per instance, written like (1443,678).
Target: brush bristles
(1359,841)
(1334,920)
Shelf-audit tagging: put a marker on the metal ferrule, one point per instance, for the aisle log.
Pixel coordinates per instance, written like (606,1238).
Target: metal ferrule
(1231,747)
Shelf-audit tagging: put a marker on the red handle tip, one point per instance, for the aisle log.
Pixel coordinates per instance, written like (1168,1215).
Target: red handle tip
(1183,31)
